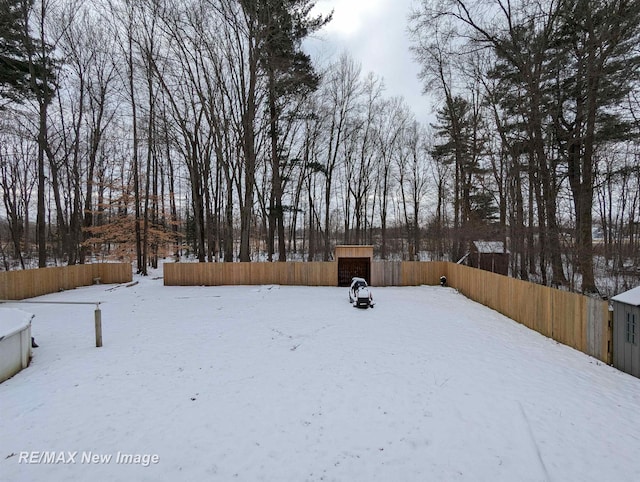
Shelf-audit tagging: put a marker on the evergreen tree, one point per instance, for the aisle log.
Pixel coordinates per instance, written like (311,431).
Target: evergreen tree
(15,69)
(14,62)
(456,128)
(596,64)
(283,24)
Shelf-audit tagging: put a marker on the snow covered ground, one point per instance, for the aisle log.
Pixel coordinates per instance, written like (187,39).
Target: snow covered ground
(292,383)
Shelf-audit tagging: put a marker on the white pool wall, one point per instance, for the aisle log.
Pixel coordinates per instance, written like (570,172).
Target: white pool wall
(15,341)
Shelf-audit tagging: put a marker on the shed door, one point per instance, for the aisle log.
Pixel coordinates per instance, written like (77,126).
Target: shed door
(350,267)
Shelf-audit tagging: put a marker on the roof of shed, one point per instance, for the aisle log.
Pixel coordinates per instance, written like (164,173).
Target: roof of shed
(631,297)
(353,251)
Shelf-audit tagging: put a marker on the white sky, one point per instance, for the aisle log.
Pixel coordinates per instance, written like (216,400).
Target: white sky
(375,33)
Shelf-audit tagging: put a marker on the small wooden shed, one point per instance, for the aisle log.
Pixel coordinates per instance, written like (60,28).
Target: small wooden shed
(489,256)
(626,331)
(353,261)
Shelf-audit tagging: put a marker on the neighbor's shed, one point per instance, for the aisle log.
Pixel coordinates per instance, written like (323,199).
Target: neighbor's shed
(626,337)
(353,261)
(489,256)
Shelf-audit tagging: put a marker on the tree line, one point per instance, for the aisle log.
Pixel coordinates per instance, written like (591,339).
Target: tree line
(542,96)
(146,129)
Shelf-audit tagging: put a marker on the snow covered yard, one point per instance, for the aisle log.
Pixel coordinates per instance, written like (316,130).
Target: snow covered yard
(292,384)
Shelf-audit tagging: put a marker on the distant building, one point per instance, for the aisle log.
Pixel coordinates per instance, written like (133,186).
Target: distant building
(626,331)
(489,256)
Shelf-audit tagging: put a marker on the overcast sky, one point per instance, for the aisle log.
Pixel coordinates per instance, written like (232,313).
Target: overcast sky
(374,32)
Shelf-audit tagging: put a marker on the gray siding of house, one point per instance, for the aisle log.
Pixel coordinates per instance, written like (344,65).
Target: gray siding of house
(626,355)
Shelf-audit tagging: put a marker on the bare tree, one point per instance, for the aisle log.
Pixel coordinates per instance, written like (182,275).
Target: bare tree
(339,97)
(393,121)
(42,84)
(413,181)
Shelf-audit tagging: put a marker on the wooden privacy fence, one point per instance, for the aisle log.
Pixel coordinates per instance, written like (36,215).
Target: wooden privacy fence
(572,319)
(383,273)
(407,273)
(213,274)
(19,285)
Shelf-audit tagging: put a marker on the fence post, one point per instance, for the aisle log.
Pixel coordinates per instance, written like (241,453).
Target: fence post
(98,317)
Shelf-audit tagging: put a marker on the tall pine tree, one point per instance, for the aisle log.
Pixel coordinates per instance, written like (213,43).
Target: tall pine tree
(14,62)
(283,25)
(15,42)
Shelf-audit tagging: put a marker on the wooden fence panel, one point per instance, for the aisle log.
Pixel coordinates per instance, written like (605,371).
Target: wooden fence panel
(569,319)
(319,273)
(414,273)
(431,271)
(408,275)
(111,273)
(217,274)
(598,334)
(19,285)
(290,273)
(386,273)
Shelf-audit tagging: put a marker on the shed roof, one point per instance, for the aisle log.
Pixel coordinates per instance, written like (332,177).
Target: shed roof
(631,297)
(490,247)
(354,251)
